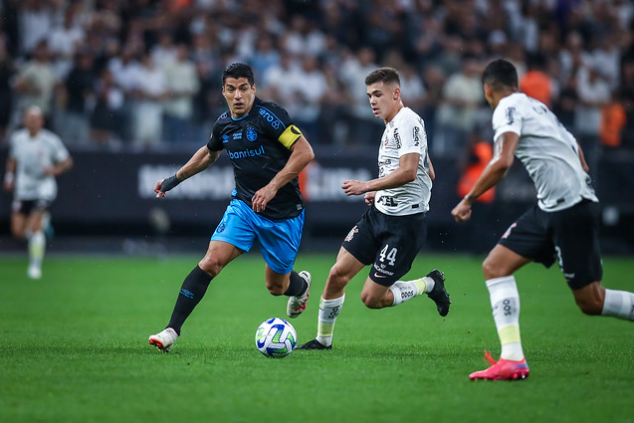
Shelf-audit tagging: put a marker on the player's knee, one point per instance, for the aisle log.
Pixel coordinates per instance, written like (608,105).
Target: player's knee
(492,270)
(211,265)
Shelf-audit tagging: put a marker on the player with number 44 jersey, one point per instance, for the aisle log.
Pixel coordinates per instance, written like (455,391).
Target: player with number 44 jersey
(392,231)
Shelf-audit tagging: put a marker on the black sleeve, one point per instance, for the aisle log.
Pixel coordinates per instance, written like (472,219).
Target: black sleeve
(280,119)
(215,143)
(279,124)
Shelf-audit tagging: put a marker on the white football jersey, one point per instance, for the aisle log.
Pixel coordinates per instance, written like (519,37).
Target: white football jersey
(33,156)
(404,134)
(548,151)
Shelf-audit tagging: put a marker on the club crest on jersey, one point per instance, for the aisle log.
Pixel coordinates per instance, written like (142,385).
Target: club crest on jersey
(252,135)
(225,138)
(351,234)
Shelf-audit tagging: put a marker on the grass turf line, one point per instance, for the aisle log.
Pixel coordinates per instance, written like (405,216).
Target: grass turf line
(74,348)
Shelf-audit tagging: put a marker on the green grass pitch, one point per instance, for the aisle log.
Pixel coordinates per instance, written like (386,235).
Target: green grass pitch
(73,348)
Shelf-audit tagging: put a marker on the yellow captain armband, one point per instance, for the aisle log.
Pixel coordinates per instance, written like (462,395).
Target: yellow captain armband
(289,136)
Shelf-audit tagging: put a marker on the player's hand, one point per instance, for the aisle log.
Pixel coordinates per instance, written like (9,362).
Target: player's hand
(369,197)
(262,198)
(462,212)
(50,171)
(352,187)
(165,185)
(157,189)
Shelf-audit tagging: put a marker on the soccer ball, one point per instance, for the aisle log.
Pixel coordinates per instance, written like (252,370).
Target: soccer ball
(275,338)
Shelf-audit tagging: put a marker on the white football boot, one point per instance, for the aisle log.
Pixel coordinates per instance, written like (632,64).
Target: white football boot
(34,272)
(297,304)
(164,339)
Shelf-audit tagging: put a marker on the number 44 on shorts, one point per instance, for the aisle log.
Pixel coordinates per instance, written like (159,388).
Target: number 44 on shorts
(391,256)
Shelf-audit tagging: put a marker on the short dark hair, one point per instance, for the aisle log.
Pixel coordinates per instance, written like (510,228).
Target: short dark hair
(385,75)
(500,73)
(238,70)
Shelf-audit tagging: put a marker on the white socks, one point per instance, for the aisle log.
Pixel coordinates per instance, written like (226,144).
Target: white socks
(618,304)
(37,245)
(403,291)
(505,301)
(328,312)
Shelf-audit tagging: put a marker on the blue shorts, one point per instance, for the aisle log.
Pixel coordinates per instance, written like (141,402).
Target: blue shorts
(279,241)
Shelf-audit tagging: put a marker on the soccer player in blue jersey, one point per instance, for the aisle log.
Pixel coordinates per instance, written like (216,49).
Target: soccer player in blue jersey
(267,153)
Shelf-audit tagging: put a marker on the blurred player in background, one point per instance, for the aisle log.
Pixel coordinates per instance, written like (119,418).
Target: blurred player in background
(267,153)
(563,226)
(393,229)
(36,157)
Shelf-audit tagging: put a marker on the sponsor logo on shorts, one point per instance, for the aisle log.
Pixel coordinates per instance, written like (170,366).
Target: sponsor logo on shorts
(379,270)
(508,231)
(351,234)
(377,275)
(221,228)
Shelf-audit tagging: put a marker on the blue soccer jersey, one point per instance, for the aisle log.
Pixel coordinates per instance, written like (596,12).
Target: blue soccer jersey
(258,146)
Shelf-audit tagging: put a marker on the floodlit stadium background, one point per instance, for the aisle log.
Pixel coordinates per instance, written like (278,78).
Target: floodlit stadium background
(133,88)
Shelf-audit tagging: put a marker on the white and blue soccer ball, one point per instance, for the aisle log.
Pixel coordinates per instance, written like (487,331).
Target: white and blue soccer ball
(276,338)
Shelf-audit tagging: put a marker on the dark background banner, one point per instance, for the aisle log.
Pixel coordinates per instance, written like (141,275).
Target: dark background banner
(111,193)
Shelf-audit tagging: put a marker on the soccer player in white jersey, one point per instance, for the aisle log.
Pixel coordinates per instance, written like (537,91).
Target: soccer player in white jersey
(392,231)
(36,157)
(563,226)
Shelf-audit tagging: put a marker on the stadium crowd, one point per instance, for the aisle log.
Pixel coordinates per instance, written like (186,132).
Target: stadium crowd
(146,73)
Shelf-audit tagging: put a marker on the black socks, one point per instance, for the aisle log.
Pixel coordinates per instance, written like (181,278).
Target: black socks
(192,291)
(297,286)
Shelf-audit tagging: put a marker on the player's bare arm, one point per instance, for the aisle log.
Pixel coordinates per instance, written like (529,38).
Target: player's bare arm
(406,172)
(301,154)
(201,160)
(59,168)
(582,159)
(503,155)
(9,174)
(432,172)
